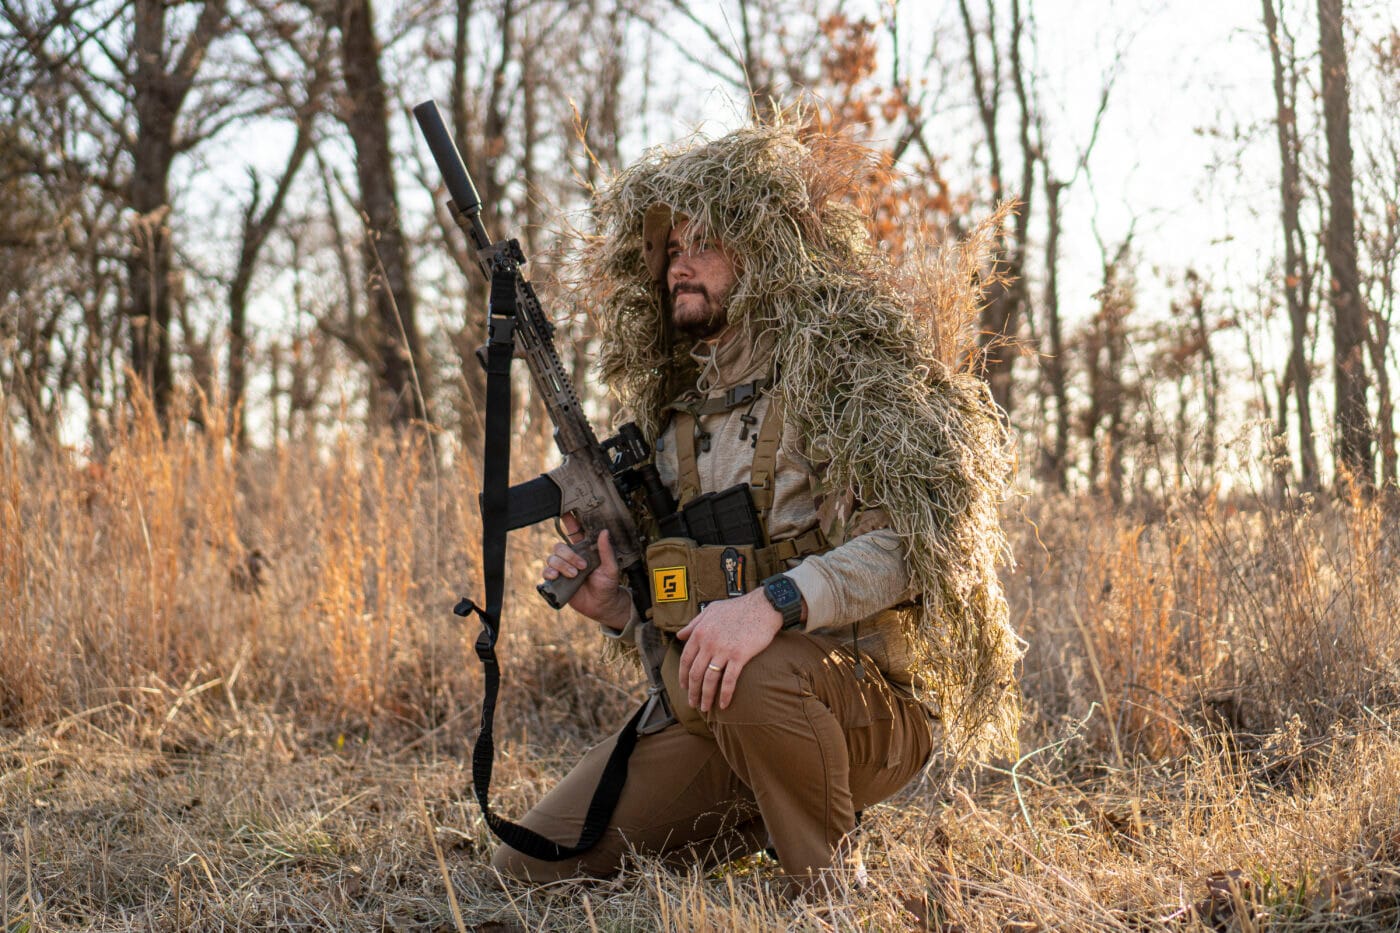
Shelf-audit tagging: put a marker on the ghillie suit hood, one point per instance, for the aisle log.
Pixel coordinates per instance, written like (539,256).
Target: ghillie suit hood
(858,362)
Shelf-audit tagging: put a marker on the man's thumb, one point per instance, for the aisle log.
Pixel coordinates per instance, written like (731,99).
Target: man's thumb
(607,560)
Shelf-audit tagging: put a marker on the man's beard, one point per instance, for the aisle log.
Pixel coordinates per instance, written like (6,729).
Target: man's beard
(697,325)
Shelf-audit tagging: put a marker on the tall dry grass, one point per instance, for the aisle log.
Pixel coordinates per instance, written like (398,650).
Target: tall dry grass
(232,695)
(317,578)
(1210,614)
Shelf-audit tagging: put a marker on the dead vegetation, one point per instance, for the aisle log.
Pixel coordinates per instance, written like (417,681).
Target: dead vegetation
(233,696)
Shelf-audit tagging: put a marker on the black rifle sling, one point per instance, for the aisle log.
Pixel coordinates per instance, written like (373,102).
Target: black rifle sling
(500,349)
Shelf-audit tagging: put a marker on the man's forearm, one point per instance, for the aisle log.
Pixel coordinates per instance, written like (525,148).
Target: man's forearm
(850,582)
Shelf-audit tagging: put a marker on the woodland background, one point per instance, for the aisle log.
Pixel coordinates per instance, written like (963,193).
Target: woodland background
(239,423)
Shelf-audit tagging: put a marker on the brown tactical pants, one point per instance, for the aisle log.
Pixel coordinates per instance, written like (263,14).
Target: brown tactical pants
(803,745)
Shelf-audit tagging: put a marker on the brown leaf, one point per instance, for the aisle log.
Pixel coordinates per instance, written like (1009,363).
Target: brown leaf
(1224,892)
(1226,884)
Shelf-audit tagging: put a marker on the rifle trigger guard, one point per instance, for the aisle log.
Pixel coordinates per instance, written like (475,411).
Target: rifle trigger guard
(564,535)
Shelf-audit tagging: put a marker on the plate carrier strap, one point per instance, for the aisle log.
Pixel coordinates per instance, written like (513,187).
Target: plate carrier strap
(773,556)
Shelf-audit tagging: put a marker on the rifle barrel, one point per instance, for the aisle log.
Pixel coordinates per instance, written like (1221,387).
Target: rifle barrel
(448,159)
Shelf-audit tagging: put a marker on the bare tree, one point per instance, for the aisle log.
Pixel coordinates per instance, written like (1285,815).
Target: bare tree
(766,50)
(1354,458)
(164,71)
(36,352)
(1001,316)
(1384,248)
(1053,356)
(1201,349)
(262,216)
(530,86)
(402,378)
(479,124)
(1105,343)
(1380,196)
(121,80)
(1054,457)
(1297,268)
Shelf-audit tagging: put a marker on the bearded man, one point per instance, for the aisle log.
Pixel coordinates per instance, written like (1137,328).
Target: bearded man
(759,340)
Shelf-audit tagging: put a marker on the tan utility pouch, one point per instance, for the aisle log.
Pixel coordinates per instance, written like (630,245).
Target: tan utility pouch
(686,577)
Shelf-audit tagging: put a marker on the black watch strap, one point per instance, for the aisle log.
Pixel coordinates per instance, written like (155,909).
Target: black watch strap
(784,596)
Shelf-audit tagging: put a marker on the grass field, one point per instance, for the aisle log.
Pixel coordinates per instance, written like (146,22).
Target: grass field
(232,695)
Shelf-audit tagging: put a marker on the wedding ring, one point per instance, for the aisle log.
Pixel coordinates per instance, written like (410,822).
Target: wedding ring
(715,667)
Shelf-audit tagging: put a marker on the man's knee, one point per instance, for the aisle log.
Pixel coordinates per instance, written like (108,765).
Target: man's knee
(517,866)
(775,677)
(513,865)
(601,861)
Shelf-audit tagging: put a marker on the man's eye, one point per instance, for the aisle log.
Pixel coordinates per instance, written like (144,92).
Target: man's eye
(692,249)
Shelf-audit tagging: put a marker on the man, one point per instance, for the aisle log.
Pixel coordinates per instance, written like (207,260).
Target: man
(757,339)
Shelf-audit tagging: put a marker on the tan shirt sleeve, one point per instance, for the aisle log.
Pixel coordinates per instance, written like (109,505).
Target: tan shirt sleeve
(628,632)
(855,580)
(864,573)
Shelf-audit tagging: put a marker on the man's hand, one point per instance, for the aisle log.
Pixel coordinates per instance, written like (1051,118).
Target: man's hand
(601,597)
(720,641)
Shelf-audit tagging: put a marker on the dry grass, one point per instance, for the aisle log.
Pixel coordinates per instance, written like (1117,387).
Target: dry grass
(233,696)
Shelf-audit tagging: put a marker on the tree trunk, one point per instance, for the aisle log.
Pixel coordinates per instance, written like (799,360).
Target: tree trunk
(1210,382)
(1055,466)
(1298,272)
(95,358)
(258,223)
(1378,342)
(1018,295)
(1281,469)
(1000,320)
(1106,348)
(403,387)
(1348,314)
(148,266)
(1117,416)
(157,96)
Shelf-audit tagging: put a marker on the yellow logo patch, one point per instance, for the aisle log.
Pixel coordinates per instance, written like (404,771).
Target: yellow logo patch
(668,583)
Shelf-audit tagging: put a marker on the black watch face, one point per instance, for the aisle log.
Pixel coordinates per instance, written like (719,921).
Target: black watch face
(783,593)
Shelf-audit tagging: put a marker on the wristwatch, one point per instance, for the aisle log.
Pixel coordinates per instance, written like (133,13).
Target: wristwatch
(783,594)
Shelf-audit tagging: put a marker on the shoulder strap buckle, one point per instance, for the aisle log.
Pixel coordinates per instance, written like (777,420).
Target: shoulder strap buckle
(740,394)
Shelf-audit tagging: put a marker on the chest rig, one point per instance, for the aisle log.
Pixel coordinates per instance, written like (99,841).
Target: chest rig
(724,548)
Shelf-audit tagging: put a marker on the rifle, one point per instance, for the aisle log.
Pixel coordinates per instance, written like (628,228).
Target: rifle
(593,482)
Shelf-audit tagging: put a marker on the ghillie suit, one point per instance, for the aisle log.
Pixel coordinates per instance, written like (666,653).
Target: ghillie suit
(857,361)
